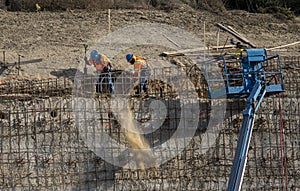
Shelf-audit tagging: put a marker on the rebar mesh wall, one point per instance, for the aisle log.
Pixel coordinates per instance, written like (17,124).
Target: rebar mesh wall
(41,148)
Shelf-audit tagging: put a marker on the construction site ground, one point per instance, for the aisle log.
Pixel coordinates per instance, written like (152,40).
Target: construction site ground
(58,37)
(41,150)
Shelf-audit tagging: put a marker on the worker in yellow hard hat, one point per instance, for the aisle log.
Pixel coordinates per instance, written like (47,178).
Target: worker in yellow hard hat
(239,48)
(38,7)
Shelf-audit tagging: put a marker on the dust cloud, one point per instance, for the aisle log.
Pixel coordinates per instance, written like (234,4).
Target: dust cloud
(141,150)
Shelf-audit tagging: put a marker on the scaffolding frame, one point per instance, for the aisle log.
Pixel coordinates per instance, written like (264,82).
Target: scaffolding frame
(41,149)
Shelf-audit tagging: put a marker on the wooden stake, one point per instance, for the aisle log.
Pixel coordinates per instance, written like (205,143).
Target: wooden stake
(171,40)
(184,51)
(282,46)
(108,18)
(204,40)
(18,67)
(4,56)
(218,38)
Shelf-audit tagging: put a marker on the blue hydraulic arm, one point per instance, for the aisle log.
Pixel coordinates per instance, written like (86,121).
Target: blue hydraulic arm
(252,80)
(240,158)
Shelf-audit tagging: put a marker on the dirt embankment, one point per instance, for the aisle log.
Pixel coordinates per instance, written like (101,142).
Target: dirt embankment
(58,37)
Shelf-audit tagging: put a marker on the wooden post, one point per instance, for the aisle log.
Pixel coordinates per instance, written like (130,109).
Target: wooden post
(218,38)
(108,18)
(169,39)
(204,40)
(282,46)
(18,67)
(3,56)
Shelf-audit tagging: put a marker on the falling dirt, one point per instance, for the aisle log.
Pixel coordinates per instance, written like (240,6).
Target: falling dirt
(141,150)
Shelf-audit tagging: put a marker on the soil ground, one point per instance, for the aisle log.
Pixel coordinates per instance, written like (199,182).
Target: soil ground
(58,37)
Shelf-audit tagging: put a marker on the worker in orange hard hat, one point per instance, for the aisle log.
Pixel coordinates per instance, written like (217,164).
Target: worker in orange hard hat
(142,72)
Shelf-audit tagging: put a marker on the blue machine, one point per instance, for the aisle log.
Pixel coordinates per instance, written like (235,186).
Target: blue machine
(252,74)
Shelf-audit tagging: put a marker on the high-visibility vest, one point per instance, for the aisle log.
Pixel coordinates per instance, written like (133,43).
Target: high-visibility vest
(139,65)
(105,62)
(238,53)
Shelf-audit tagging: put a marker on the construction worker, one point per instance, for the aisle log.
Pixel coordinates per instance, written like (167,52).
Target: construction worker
(38,7)
(104,67)
(239,48)
(142,72)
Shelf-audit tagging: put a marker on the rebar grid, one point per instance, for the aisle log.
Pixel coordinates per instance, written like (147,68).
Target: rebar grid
(41,147)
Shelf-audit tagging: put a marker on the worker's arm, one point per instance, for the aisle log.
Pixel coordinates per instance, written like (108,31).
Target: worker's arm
(92,62)
(110,67)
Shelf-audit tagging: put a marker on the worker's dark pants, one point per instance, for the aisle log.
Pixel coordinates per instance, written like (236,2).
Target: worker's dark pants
(104,79)
(143,87)
(143,80)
